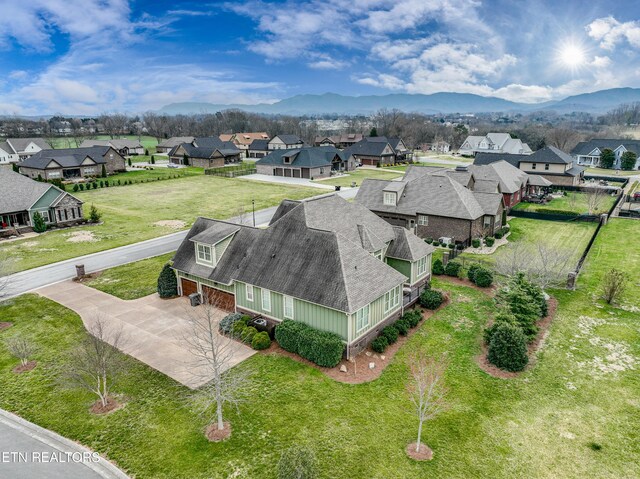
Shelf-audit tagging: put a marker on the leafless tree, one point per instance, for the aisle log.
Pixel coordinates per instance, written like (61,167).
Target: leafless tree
(115,124)
(543,265)
(213,356)
(5,263)
(614,284)
(563,138)
(595,197)
(21,348)
(96,364)
(426,388)
(240,215)
(77,131)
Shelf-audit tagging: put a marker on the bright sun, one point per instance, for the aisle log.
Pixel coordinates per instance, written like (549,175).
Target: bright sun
(571,55)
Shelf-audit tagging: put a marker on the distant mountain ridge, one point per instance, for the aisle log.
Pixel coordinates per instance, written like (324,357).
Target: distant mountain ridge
(598,102)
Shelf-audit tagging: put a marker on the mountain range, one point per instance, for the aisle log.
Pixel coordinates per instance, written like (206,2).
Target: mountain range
(598,102)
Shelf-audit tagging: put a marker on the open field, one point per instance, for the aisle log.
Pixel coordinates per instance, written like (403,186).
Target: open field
(571,416)
(359,175)
(610,172)
(133,280)
(155,173)
(149,142)
(573,202)
(130,214)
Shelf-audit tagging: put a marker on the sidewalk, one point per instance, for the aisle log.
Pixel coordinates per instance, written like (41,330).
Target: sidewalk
(36,450)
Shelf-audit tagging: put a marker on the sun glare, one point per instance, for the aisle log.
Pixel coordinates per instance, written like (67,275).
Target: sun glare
(572,55)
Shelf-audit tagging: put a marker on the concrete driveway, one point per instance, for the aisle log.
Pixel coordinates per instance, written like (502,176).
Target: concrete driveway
(154,328)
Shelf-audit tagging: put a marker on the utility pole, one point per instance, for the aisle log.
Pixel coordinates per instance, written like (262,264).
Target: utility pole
(253,209)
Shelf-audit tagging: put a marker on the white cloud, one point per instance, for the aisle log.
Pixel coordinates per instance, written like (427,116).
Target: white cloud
(328,65)
(601,62)
(610,32)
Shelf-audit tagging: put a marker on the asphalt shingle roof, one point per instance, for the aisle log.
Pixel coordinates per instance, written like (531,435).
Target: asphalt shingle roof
(307,157)
(586,147)
(19,144)
(66,157)
(19,193)
(483,158)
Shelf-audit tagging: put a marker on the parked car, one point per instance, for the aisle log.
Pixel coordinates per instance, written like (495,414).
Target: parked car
(172,165)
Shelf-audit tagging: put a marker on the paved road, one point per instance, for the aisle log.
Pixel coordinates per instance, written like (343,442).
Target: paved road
(31,279)
(28,451)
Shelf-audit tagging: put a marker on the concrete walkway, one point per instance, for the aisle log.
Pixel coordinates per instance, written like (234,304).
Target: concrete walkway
(28,451)
(287,181)
(154,329)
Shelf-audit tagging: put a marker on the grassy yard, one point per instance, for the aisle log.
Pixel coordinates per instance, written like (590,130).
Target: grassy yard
(149,142)
(131,214)
(574,202)
(133,280)
(608,172)
(359,175)
(567,417)
(155,173)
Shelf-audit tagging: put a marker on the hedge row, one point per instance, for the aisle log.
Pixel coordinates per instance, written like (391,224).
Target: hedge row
(401,327)
(95,184)
(320,347)
(480,275)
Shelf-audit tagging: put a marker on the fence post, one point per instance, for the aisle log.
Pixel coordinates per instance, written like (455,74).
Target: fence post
(603,219)
(445,258)
(571,280)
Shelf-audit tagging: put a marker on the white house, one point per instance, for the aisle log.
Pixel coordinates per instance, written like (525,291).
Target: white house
(15,150)
(494,143)
(588,153)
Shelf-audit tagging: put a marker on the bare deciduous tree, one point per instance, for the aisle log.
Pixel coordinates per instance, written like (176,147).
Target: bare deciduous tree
(563,138)
(240,215)
(595,198)
(614,284)
(97,363)
(426,388)
(543,265)
(21,348)
(213,356)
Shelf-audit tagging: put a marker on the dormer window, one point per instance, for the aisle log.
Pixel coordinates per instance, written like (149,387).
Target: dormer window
(204,254)
(287,160)
(389,198)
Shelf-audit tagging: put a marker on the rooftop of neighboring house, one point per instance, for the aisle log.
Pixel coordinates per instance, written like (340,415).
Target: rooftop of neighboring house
(19,193)
(317,250)
(175,141)
(259,145)
(66,157)
(510,178)
(588,147)
(19,145)
(117,143)
(288,139)
(244,138)
(486,158)
(205,147)
(340,139)
(550,154)
(501,142)
(307,157)
(371,146)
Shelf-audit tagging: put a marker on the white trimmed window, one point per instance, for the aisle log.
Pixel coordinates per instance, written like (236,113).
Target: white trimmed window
(288,307)
(391,299)
(487,221)
(423,220)
(389,198)
(203,254)
(421,266)
(54,174)
(249,292)
(362,319)
(266,299)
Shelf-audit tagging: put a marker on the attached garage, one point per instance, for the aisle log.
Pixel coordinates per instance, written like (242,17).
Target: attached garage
(188,286)
(220,299)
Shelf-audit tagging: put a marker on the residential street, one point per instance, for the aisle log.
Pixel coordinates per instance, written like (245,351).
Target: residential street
(31,279)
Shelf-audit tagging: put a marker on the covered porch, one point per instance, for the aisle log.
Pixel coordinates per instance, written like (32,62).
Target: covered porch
(411,294)
(14,220)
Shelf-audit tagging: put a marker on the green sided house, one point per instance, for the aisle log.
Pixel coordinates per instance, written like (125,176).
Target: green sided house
(326,262)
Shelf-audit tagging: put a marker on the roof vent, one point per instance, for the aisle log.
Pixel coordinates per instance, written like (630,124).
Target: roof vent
(273,255)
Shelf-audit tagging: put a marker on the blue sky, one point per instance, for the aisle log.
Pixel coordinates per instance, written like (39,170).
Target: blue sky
(92,56)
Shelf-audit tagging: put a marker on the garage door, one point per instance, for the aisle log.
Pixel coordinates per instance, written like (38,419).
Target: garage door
(188,287)
(220,299)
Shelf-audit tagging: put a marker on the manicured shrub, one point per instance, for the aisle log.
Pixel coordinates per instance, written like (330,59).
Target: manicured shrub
(81,187)
(261,341)
(503,317)
(452,269)
(471,272)
(104,171)
(412,318)
(483,277)
(390,333)
(379,344)
(39,225)
(475,242)
(428,240)
(226,324)
(451,246)
(402,326)
(437,267)
(320,347)
(489,241)
(288,333)
(248,333)
(167,282)
(129,162)
(94,214)
(298,462)
(459,246)
(498,234)
(75,187)
(431,298)
(94,185)
(508,348)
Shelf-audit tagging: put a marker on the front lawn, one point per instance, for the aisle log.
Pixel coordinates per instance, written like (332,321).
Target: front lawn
(138,212)
(573,202)
(149,142)
(359,175)
(610,172)
(133,280)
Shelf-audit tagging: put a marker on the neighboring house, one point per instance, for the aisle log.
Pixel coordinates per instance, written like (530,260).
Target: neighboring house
(67,163)
(378,150)
(339,141)
(437,203)
(549,162)
(512,181)
(21,197)
(258,149)
(285,142)
(308,162)
(588,153)
(438,147)
(244,140)
(326,262)
(14,150)
(165,146)
(122,145)
(205,152)
(493,143)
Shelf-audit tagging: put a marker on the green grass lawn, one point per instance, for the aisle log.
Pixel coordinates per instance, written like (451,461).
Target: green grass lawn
(609,172)
(130,213)
(157,172)
(133,280)
(149,142)
(359,175)
(574,202)
(542,424)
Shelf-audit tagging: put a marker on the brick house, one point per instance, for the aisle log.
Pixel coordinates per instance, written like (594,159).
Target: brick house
(205,152)
(308,162)
(68,163)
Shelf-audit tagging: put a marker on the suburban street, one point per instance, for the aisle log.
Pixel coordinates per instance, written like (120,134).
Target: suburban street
(35,278)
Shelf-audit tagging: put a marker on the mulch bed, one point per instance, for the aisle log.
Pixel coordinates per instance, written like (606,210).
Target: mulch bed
(88,277)
(23,368)
(532,348)
(214,434)
(358,370)
(5,325)
(112,406)
(425,453)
